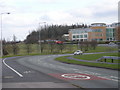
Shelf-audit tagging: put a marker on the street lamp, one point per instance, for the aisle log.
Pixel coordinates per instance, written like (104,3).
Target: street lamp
(40,35)
(1,34)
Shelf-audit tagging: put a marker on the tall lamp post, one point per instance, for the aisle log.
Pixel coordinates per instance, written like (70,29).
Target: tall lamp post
(40,35)
(1,44)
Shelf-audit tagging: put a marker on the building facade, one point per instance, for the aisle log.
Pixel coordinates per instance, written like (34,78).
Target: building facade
(97,31)
(110,33)
(79,34)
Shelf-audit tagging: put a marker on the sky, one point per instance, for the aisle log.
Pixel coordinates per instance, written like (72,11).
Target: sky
(27,15)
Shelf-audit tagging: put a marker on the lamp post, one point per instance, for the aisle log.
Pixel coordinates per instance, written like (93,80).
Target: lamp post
(1,44)
(40,35)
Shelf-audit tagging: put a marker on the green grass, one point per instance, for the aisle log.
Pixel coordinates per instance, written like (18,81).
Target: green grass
(94,56)
(102,49)
(68,48)
(104,65)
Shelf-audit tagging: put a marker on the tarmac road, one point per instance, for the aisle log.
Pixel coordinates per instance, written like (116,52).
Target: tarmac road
(44,72)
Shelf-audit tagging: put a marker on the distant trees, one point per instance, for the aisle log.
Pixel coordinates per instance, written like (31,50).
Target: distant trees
(15,47)
(10,46)
(52,32)
(28,48)
(52,46)
(93,44)
(4,47)
(86,45)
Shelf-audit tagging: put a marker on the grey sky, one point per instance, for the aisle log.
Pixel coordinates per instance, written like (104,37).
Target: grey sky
(27,14)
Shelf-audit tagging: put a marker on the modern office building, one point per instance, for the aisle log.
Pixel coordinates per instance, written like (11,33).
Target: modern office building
(117,30)
(110,34)
(97,31)
(79,34)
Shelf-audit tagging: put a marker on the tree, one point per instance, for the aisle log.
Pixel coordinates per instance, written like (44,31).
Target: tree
(84,45)
(52,46)
(4,48)
(15,48)
(28,48)
(93,44)
(61,47)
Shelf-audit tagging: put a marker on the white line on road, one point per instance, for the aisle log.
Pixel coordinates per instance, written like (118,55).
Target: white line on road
(12,68)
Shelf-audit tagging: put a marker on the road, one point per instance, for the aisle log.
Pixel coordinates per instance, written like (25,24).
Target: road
(44,72)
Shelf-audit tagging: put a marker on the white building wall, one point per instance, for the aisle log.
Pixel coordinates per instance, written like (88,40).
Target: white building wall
(80,38)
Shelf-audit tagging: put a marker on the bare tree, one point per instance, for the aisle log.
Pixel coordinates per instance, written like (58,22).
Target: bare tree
(5,52)
(93,44)
(52,46)
(28,48)
(15,48)
(61,47)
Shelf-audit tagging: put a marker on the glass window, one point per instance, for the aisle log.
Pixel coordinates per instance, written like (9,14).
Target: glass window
(97,30)
(85,39)
(77,36)
(101,39)
(85,36)
(73,36)
(81,36)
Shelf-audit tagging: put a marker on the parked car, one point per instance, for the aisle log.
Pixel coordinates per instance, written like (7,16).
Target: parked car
(78,52)
(111,43)
(59,42)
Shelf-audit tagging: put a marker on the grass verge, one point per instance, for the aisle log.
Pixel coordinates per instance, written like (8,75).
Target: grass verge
(94,56)
(103,65)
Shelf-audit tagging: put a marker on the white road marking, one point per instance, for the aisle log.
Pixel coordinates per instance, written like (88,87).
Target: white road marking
(99,75)
(113,78)
(12,68)
(76,76)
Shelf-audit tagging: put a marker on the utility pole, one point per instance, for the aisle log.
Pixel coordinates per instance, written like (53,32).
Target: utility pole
(1,43)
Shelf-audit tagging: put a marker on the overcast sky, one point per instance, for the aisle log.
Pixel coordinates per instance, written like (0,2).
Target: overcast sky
(27,14)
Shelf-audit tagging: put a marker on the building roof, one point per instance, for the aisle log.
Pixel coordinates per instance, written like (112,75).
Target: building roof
(98,23)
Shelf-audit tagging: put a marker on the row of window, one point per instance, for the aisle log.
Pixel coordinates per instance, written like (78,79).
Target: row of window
(80,40)
(96,30)
(98,39)
(97,35)
(110,39)
(80,36)
(83,34)
(79,32)
(85,31)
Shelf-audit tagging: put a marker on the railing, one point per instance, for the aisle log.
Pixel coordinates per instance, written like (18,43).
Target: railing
(108,57)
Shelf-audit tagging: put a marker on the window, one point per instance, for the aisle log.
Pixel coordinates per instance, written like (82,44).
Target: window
(81,36)
(85,36)
(98,35)
(77,36)
(100,39)
(74,36)
(97,30)
(85,39)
